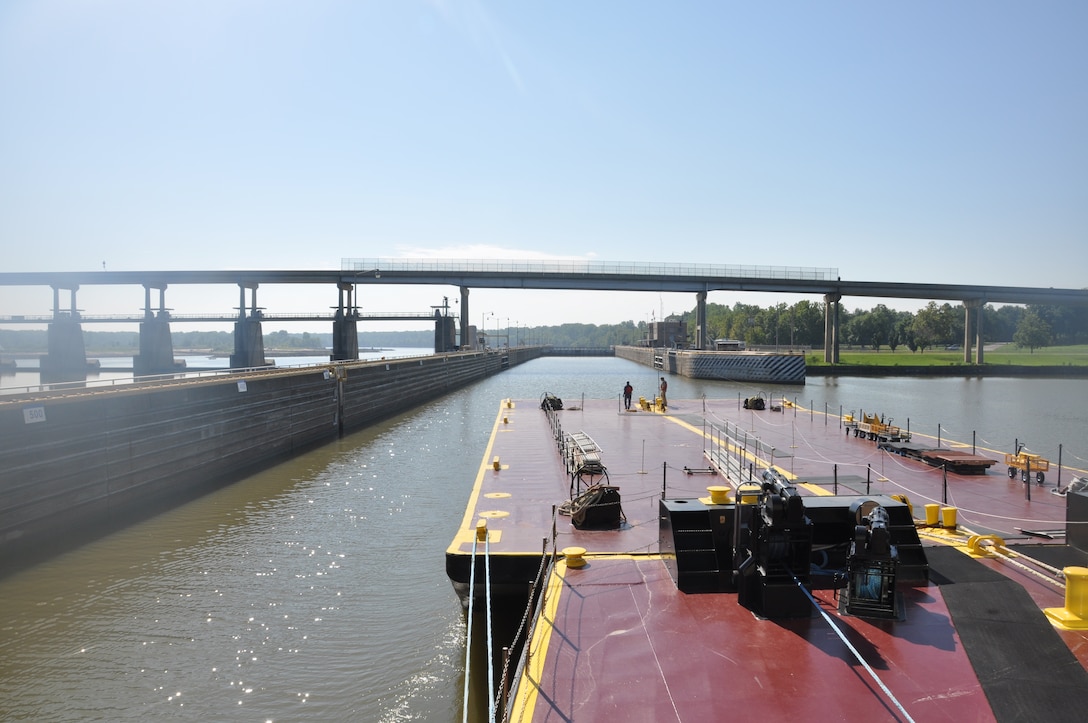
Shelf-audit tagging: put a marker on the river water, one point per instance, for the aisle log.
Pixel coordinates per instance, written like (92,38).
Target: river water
(316,590)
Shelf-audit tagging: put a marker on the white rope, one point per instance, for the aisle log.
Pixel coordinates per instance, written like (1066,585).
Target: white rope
(857,655)
(490,646)
(468,637)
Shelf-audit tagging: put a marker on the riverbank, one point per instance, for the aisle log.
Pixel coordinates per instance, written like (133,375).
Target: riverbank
(1001,360)
(952,370)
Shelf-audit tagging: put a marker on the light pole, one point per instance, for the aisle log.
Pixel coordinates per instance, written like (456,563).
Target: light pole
(483,327)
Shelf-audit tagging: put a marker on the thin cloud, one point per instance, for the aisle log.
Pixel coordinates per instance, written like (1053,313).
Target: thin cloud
(486,34)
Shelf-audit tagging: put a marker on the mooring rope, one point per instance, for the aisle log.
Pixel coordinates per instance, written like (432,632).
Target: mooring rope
(468,635)
(857,655)
(490,645)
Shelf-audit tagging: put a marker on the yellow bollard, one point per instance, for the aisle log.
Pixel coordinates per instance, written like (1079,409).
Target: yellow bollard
(933,515)
(575,557)
(719,494)
(948,517)
(1076,590)
(974,543)
(1074,615)
(481,530)
(495,464)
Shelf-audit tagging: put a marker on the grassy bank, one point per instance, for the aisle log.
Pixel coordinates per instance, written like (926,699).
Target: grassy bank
(1004,355)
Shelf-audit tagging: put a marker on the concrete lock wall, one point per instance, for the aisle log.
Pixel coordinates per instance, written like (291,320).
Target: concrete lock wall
(96,456)
(740,366)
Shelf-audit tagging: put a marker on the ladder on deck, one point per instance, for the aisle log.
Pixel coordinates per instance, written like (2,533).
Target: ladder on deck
(583,458)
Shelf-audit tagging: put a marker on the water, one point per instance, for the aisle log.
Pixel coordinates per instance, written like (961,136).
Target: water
(317,590)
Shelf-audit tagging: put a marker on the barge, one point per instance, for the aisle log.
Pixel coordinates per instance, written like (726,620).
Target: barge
(716,561)
(958,461)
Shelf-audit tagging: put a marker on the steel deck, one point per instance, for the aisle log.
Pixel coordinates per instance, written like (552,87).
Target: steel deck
(618,640)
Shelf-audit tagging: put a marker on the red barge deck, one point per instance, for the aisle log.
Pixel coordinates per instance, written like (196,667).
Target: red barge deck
(618,638)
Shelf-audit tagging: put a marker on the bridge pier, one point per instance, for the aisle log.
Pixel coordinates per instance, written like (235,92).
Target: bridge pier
(700,320)
(345,327)
(831,328)
(66,358)
(445,328)
(972,312)
(445,333)
(248,336)
(156,347)
(466,341)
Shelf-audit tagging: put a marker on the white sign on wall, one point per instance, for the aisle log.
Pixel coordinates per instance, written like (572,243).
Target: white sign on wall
(32,415)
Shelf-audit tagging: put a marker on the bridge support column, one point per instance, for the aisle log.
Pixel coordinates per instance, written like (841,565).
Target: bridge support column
(156,347)
(66,358)
(700,321)
(466,342)
(972,314)
(345,327)
(831,328)
(445,333)
(248,337)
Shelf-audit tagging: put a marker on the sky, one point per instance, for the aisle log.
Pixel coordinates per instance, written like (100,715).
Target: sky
(931,142)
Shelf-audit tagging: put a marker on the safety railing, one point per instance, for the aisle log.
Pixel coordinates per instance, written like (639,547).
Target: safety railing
(578,266)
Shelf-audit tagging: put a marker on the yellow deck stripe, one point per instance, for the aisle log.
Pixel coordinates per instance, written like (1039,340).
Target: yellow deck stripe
(468,524)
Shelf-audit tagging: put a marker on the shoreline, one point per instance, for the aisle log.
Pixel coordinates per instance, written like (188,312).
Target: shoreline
(962,370)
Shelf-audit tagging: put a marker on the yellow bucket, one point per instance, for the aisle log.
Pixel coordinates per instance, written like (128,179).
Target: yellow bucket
(749,494)
(948,517)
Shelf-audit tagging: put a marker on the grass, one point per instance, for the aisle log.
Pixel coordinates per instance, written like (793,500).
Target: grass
(1008,354)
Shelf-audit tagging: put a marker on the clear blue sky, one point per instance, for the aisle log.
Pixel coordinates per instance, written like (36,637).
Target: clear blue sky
(923,141)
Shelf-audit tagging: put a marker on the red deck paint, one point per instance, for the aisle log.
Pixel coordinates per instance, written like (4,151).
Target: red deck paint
(626,644)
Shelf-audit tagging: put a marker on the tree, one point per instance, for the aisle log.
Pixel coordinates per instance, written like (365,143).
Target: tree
(1032,331)
(883,322)
(925,329)
(872,328)
(1000,324)
(807,323)
(932,325)
(1068,324)
(900,323)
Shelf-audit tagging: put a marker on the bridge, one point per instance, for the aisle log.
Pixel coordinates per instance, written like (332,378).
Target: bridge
(698,279)
(221,319)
